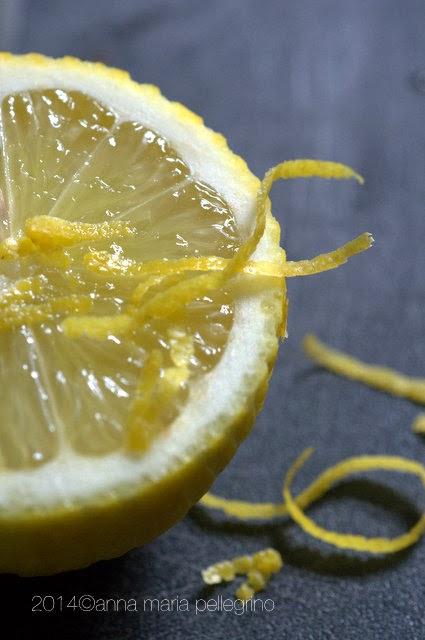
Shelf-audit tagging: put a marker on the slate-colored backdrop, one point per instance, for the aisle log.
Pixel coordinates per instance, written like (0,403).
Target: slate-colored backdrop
(332,79)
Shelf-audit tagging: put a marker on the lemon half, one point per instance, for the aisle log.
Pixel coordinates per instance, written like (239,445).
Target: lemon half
(116,419)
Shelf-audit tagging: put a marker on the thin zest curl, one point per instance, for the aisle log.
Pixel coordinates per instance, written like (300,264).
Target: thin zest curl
(336,473)
(382,378)
(294,507)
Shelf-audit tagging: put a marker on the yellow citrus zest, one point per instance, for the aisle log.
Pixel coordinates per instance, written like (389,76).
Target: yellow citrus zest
(97,327)
(382,378)
(48,232)
(107,263)
(141,425)
(159,386)
(294,507)
(258,569)
(336,473)
(331,260)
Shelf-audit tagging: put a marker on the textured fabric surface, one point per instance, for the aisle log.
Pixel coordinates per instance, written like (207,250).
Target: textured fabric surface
(337,80)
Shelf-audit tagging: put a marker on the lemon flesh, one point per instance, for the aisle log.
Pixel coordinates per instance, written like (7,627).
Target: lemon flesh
(67,156)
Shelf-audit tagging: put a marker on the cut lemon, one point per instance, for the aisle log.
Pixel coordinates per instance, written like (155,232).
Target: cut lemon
(142,294)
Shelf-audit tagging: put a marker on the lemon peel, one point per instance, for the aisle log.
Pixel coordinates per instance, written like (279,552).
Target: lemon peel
(382,378)
(302,168)
(165,303)
(178,294)
(141,428)
(336,473)
(96,327)
(49,232)
(158,387)
(284,171)
(294,507)
(331,260)
(156,271)
(142,289)
(104,262)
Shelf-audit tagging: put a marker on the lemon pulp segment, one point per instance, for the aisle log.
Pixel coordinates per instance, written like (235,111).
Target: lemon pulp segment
(76,183)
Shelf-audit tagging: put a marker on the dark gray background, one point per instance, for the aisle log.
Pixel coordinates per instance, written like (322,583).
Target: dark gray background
(333,79)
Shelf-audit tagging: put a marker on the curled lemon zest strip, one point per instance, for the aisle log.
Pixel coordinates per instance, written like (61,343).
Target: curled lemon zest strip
(49,232)
(172,299)
(286,171)
(382,378)
(418,425)
(336,473)
(158,387)
(104,262)
(181,347)
(294,506)
(244,510)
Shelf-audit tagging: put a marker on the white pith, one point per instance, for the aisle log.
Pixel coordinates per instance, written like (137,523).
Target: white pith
(220,394)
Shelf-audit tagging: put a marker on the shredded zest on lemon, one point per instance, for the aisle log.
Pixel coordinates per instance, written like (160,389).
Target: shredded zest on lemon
(178,294)
(104,262)
(164,288)
(294,507)
(258,568)
(382,378)
(96,327)
(159,386)
(143,288)
(141,422)
(48,232)
(186,291)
